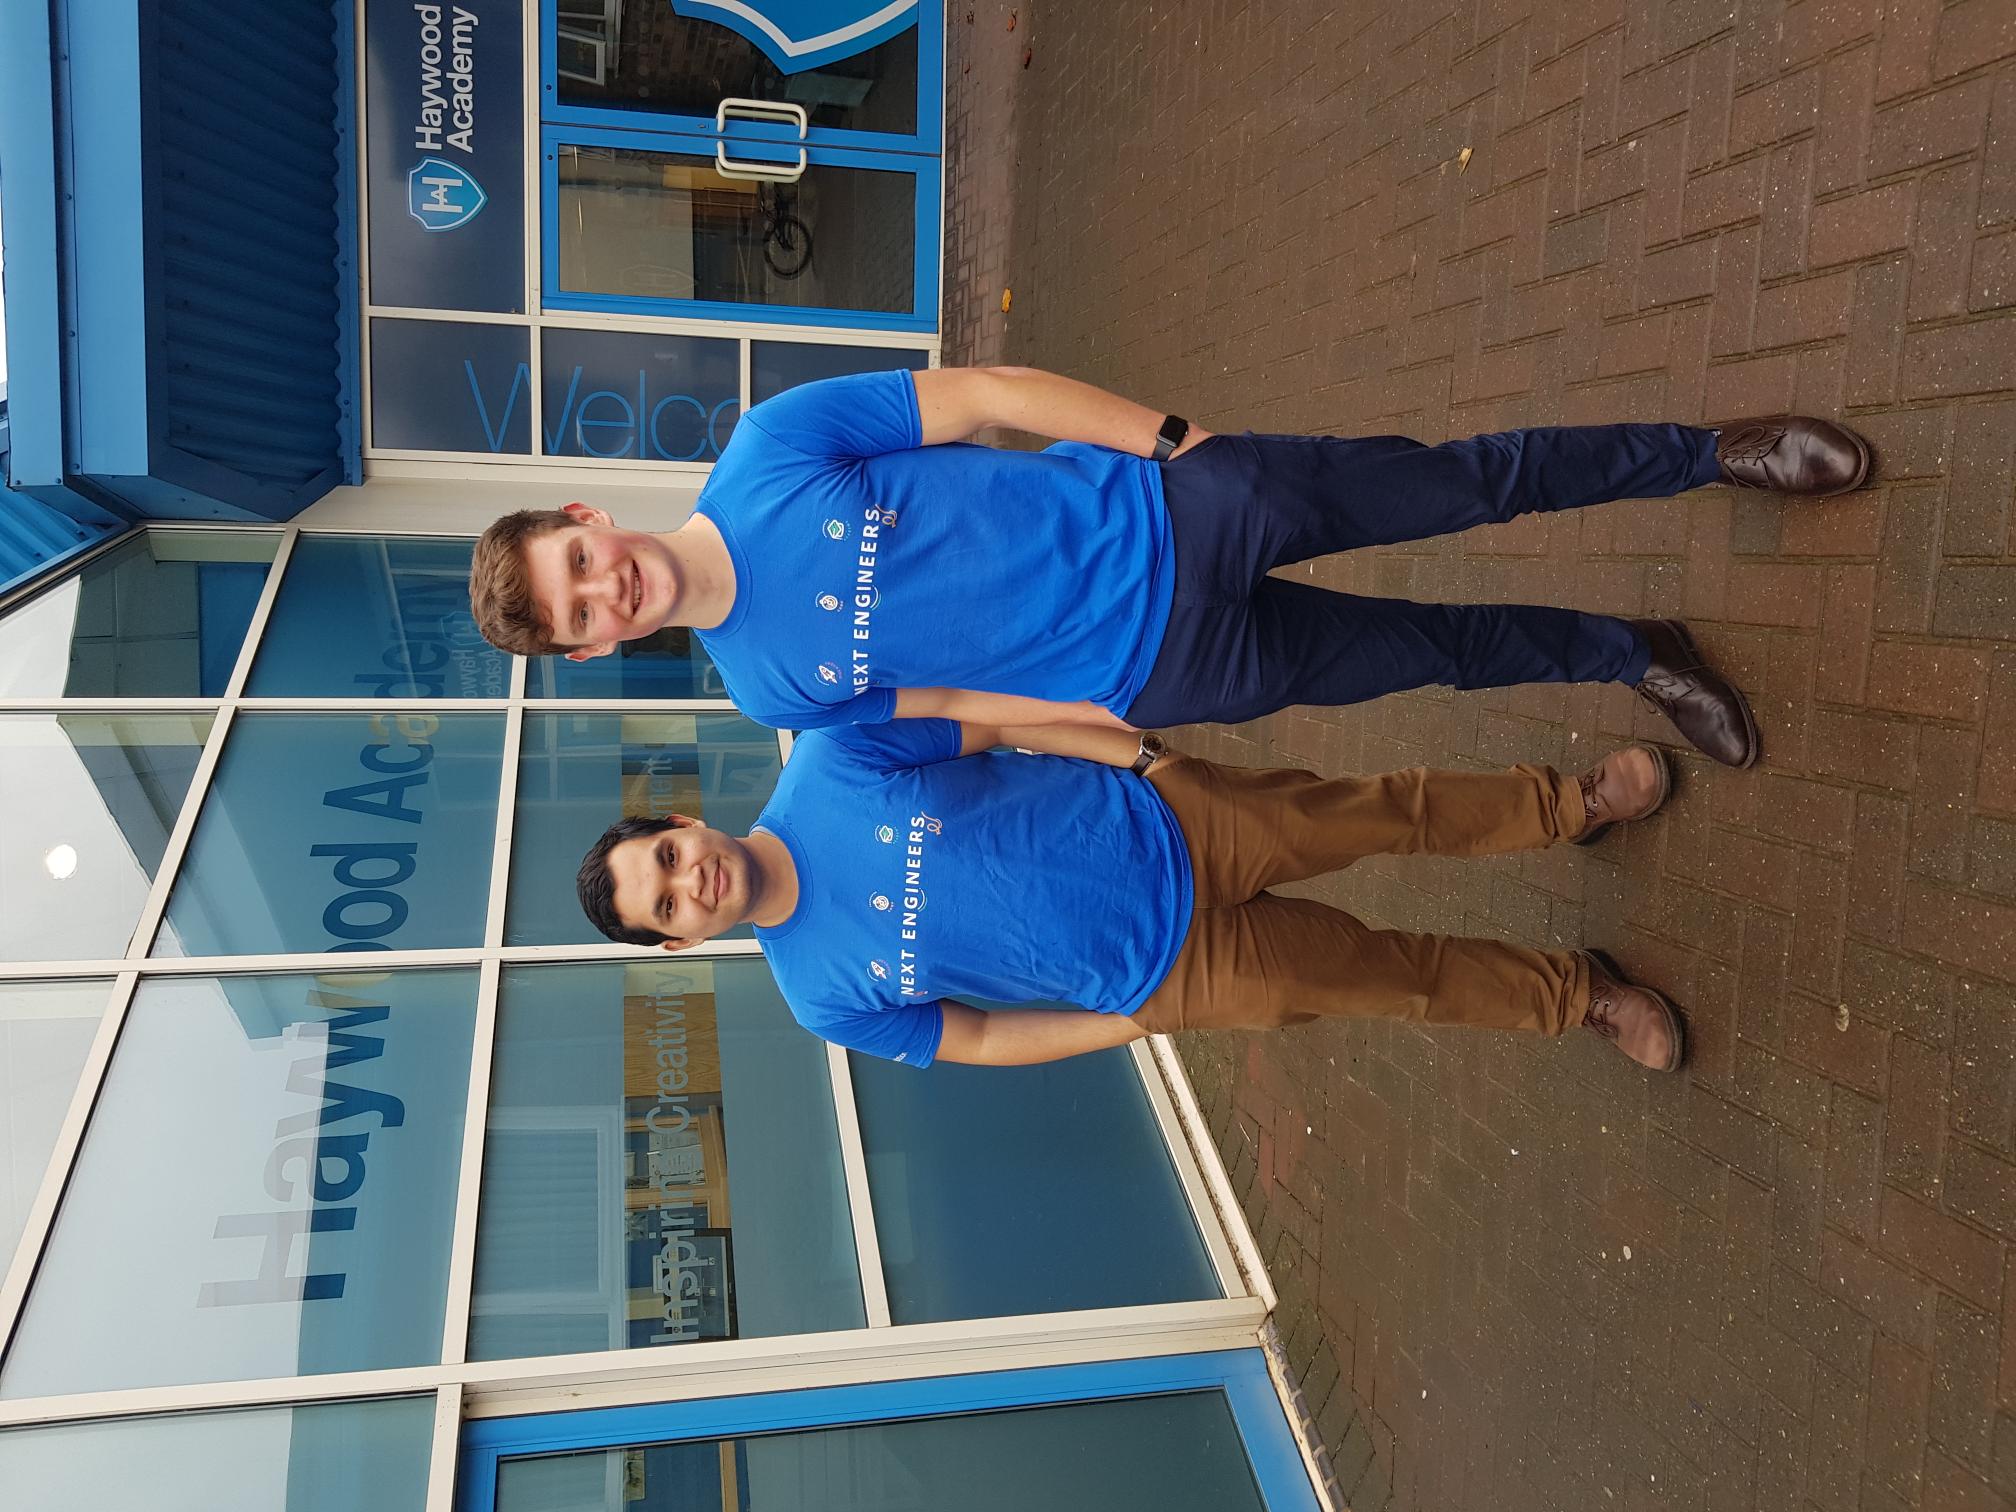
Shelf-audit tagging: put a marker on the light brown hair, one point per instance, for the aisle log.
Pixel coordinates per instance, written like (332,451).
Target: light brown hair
(500,589)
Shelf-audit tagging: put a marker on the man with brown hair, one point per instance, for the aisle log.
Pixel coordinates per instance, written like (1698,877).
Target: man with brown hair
(849,562)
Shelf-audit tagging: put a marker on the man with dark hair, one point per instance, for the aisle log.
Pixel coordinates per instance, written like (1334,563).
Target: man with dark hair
(848,563)
(904,872)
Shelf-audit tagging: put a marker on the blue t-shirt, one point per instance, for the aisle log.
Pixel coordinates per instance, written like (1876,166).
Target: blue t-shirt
(867,562)
(1002,877)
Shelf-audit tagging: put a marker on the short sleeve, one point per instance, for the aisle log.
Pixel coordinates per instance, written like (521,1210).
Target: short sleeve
(901,742)
(870,708)
(859,415)
(909,1034)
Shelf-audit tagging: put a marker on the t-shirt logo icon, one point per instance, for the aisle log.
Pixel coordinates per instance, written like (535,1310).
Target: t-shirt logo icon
(926,822)
(887,517)
(881,901)
(835,530)
(828,673)
(879,970)
(885,834)
(829,602)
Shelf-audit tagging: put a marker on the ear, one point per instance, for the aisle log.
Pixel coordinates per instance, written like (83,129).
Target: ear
(588,514)
(684,821)
(589,653)
(675,946)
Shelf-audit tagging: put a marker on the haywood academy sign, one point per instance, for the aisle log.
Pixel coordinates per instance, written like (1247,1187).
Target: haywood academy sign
(445,148)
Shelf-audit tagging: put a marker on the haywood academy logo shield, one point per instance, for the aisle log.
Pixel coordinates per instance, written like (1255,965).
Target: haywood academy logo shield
(441,196)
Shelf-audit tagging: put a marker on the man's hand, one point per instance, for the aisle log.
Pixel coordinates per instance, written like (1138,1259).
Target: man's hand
(1027,1037)
(953,403)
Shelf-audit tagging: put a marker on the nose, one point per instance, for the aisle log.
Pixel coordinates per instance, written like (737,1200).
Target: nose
(613,587)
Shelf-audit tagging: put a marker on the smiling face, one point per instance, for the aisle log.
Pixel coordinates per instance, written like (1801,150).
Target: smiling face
(689,883)
(597,584)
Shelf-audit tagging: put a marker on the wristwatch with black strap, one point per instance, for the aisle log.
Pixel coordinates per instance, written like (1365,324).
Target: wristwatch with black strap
(1153,749)
(1167,439)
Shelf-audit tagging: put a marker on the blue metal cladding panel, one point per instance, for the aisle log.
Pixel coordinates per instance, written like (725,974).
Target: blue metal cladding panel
(35,536)
(245,345)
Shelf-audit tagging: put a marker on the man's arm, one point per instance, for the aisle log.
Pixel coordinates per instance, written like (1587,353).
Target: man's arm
(953,403)
(999,709)
(1029,1036)
(1117,748)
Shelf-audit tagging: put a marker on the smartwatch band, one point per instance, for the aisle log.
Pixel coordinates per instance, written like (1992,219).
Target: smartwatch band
(1167,439)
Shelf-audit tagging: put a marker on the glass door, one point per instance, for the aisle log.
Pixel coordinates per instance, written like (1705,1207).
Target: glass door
(1186,1433)
(658,223)
(860,73)
(757,160)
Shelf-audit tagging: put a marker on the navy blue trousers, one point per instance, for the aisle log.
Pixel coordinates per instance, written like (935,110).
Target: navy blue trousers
(1241,643)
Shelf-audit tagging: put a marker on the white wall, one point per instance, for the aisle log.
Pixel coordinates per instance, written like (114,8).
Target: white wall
(465,505)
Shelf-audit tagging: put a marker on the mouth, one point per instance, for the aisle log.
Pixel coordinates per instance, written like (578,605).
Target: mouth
(720,881)
(636,590)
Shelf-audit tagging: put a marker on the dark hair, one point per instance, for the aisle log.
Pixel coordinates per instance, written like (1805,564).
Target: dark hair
(500,590)
(597,889)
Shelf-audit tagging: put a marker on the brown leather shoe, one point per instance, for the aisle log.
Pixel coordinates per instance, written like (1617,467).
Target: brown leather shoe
(1639,1021)
(1626,784)
(1794,454)
(1702,704)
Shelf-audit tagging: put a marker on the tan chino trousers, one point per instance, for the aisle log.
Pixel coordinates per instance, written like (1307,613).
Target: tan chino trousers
(1253,960)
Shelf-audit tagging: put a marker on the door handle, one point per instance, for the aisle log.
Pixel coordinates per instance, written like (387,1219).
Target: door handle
(759,110)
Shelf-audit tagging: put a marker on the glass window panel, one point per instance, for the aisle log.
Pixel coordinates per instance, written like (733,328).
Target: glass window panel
(966,1164)
(579,773)
(46,1029)
(443,385)
(328,1457)
(342,832)
(670,663)
(630,394)
(648,58)
(666,225)
(92,799)
(162,616)
(775,366)
(266,1187)
(1180,1452)
(377,617)
(662,1164)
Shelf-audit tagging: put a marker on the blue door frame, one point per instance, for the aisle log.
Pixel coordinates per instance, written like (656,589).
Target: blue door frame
(923,174)
(1241,1374)
(927,139)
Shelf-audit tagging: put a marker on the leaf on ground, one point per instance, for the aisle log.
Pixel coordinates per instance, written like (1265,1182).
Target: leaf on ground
(1007,298)
(1463,160)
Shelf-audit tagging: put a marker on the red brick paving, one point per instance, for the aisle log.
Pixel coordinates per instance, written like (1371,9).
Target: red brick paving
(1517,1275)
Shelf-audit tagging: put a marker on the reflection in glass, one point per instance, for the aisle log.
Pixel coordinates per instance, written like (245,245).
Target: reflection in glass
(162,616)
(661,1165)
(987,1205)
(377,617)
(350,831)
(330,1457)
(649,59)
(1176,1453)
(775,366)
(46,1029)
(580,773)
(91,799)
(669,663)
(663,225)
(266,1187)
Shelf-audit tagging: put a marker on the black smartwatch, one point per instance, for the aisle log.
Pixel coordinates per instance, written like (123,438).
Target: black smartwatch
(1167,439)
(1153,749)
